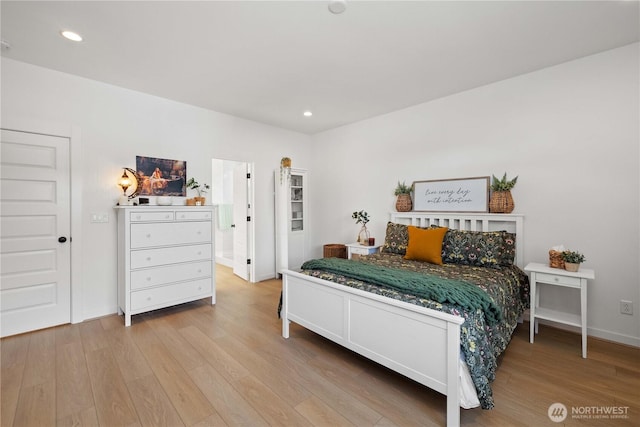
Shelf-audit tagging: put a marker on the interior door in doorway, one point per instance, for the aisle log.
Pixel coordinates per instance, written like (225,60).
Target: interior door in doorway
(35,251)
(241,217)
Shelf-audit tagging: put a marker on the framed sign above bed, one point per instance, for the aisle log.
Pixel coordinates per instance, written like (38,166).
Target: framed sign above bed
(452,195)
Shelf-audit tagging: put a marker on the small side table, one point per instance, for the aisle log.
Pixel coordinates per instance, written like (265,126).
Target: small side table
(542,273)
(360,250)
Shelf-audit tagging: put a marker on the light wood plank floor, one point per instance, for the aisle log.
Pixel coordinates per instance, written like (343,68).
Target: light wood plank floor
(203,365)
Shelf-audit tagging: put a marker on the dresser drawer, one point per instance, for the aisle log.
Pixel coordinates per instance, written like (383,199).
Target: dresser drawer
(170,233)
(557,279)
(170,273)
(151,216)
(193,215)
(163,296)
(152,257)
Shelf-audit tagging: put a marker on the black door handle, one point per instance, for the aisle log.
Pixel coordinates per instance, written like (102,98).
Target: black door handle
(62,239)
(233,226)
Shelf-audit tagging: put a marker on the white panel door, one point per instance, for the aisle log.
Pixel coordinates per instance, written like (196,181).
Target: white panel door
(35,244)
(240,213)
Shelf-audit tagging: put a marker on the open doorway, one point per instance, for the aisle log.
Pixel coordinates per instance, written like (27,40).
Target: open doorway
(232,195)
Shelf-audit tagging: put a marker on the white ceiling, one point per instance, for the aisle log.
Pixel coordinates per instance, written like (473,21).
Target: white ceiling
(269,61)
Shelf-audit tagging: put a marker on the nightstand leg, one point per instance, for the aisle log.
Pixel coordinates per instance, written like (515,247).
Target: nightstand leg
(537,305)
(532,309)
(583,315)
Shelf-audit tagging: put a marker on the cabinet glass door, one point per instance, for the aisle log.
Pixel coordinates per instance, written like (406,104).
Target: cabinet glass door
(297,203)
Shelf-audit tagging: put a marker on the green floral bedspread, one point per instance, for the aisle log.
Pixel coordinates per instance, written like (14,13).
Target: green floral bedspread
(481,344)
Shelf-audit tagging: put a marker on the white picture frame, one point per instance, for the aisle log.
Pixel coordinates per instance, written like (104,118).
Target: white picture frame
(452,195)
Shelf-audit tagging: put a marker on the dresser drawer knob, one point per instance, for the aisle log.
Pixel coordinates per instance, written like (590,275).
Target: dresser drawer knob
(149,236)
(199,270)
(556,279)
(148,279)
(148,258)
(199,252)
(148,298)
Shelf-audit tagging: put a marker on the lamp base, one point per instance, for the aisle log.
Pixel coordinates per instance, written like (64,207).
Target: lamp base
(124,201)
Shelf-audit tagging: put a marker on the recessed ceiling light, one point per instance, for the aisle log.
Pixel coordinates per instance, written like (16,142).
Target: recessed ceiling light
(337,6)
(71,36)
(308,114)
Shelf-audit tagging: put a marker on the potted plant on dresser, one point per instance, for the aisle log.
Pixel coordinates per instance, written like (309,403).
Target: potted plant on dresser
(501,200)
(572,260)
(201,189)
(403,197)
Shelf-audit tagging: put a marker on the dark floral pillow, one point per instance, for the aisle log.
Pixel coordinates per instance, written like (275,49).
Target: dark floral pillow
(485,249)
(396,239)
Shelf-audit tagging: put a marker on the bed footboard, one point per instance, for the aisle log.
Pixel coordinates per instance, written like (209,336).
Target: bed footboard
(382,329)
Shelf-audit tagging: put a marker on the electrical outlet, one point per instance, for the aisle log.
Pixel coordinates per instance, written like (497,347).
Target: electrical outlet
(100,217)
(626,307)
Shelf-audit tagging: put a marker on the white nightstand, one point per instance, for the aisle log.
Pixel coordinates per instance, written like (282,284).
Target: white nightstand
(361,250)
(542,273)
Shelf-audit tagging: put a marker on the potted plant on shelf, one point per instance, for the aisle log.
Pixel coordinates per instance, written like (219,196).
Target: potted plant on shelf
(201,189)
(362,217)
(572,260)
(501,200)
(285,168)
(403,199)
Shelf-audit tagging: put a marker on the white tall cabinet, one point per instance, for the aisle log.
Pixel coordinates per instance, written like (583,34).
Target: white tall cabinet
(291,219)
(165,257)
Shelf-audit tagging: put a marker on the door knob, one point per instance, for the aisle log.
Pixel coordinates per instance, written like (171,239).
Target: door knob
(62,239)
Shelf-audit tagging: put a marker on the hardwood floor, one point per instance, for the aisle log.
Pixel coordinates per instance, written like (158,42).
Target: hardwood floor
(203,365)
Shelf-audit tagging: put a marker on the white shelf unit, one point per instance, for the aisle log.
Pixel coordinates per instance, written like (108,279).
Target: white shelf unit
(291,219)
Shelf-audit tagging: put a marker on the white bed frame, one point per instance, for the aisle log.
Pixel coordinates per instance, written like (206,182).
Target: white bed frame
(385,330)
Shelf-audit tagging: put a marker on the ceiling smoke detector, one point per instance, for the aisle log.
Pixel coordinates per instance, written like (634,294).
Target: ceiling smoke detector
(337,6)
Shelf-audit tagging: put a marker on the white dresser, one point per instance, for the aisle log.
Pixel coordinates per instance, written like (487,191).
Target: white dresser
(165,257)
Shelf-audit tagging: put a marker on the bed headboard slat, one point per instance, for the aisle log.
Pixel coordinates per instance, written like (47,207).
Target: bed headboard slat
(514,223)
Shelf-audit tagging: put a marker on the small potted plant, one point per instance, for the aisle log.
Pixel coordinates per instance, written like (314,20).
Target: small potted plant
(362,217)
(285,168)
(201,189)
(403,199)
(501,200)
(572,260)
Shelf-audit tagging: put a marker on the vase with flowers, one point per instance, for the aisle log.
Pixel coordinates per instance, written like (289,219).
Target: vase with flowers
(362,217)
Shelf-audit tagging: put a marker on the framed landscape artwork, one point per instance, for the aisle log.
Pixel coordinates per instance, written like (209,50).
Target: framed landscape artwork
(161,177)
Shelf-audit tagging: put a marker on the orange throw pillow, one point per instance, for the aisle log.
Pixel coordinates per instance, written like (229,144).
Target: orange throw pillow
(425,244)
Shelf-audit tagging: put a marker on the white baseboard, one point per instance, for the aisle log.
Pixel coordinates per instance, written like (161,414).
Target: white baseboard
(224,261)
(267,276)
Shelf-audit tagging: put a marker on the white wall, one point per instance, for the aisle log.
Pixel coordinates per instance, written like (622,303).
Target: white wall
(116,125)
(570,133)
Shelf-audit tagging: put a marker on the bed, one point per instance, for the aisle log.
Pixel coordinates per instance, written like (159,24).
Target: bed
(381,323)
